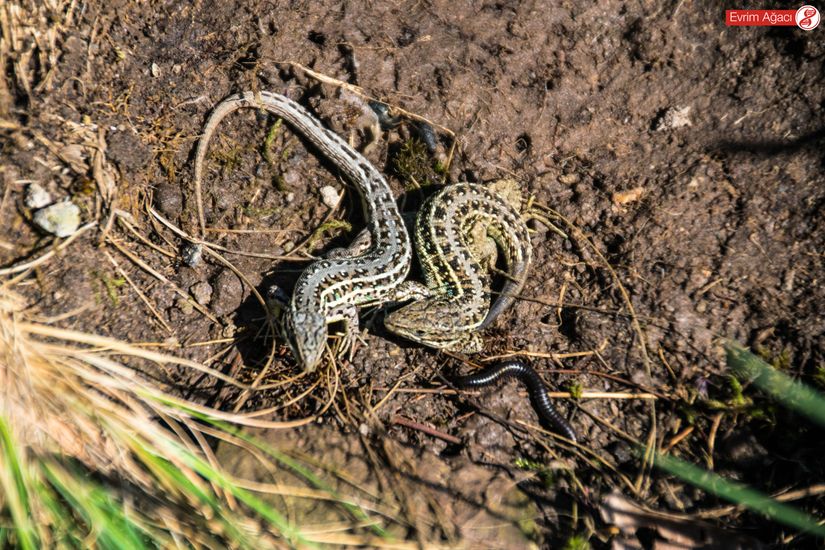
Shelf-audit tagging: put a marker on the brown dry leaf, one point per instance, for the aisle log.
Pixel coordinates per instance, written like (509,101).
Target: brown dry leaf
(87,153)
(104,174)
(31,374)
(673,531)
(74,154)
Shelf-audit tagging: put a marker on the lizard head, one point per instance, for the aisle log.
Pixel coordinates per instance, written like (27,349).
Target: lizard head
(308,337)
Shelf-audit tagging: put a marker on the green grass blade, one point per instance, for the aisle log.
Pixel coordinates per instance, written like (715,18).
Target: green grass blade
(15,489)
(740,494)
(62,525)
(156,458)
(357,511)
(203,468)
(794,395)
(111,525)
(170,474)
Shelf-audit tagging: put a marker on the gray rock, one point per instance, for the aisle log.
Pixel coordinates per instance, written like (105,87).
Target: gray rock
(169,200)
(227,293)
(191,254)
(202,292)
(61,219)
(330,196)
(37,197)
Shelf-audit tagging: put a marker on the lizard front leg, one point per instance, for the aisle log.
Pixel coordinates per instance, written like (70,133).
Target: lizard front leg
(410,290)
(347,313)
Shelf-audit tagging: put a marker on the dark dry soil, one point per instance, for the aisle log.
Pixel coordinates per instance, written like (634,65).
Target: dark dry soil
(690,154)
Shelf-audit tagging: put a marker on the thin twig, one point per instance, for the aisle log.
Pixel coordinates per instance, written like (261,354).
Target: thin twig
(540,354)
(142,238)
(628,303)
(149,269)
(140,294)
(678,438)
(48,255)
(714,428)
(183,234)
(583,452)
(650,451)
(357,90)
(429,430)
(812,491)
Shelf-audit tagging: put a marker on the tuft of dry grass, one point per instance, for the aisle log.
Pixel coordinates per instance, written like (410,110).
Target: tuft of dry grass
(83,451)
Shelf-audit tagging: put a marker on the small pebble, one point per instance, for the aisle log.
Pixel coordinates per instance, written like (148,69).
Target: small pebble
(61,219)
(155,70)
(674,117)
(202,292)
(184,305)
(191,254)
(569,179)
(227,293)
(168,198)
(37,197)
(330,196)
(292,179)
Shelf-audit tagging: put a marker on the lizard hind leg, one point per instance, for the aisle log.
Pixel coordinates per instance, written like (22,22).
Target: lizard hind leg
(468,343)
(410,290)
(509,190)
(277,302)
(360,244)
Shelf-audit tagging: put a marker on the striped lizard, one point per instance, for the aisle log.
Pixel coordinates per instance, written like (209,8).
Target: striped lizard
(456,233)
(370,272)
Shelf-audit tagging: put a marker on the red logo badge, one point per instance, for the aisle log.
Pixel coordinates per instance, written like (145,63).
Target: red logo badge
(807,18)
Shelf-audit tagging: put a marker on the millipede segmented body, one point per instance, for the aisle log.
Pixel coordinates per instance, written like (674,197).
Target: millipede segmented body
(516,368)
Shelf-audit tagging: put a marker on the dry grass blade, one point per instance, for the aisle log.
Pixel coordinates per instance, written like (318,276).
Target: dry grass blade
(50,390)
(181,233)
(208,248)
(155,273)
(140,294)
(62,400)
(554,394)
(43,258)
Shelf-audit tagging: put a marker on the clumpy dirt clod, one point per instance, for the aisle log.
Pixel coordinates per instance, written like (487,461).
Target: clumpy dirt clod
(680,160)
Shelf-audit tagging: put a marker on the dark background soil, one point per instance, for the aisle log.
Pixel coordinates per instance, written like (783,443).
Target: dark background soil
(692,155)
